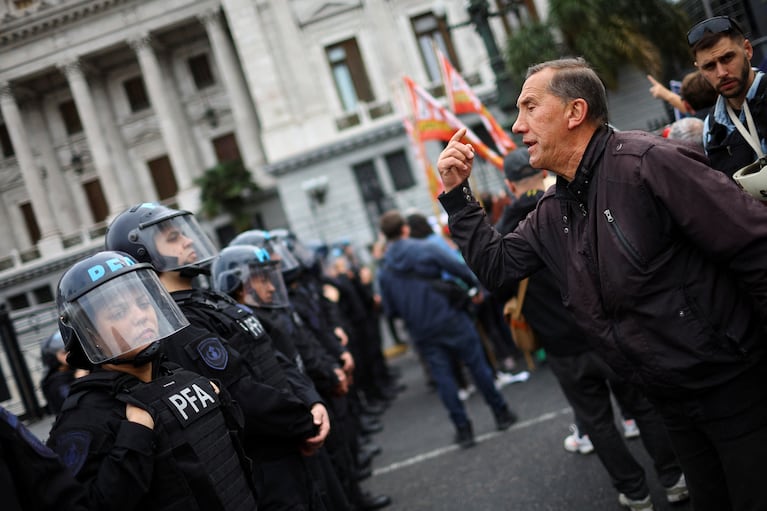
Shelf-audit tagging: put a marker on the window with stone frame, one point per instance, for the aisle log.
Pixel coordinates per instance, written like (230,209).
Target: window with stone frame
(431,32)
(399,170)
(70,117)
(136,94)
(96,201)
(349,74)
(202,74)
(30,222)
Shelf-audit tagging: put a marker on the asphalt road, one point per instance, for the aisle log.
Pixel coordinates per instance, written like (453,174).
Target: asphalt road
(523,468)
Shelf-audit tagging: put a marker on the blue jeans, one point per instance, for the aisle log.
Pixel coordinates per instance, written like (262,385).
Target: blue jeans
(459,339)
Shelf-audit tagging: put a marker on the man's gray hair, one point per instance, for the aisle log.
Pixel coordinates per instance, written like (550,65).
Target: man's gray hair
(574,79)
(689,129)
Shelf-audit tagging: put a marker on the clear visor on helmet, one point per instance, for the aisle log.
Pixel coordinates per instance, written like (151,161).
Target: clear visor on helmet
(279,251)
(306,256)
(121,317)
(264,286)
(177,242)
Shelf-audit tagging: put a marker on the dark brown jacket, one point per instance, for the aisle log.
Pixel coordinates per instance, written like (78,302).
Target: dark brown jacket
(662,260)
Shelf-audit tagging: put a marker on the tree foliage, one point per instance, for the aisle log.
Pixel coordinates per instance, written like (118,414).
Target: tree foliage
(609,34)
(227,188)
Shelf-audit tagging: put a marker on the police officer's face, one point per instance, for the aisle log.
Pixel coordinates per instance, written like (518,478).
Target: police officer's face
(127,322)
(727,66)
(172,242)
(263,287)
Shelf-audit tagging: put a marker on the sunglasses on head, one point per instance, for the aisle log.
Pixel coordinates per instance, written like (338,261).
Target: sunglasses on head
(715,25)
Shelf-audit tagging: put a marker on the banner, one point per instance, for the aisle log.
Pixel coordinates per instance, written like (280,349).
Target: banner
(462,100)
(435,122)
(432,178)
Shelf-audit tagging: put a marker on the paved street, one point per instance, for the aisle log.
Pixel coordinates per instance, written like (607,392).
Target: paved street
(524,468)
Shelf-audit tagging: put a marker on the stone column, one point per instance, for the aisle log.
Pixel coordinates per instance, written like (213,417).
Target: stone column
(136,184)
(50,241)
(59,192)
(247,129)
(162,99)
(97,141)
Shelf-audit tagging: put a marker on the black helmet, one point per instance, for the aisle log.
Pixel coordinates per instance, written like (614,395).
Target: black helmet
(309,258)
(168,239)
(276,247)
(49,350)
(250,269)
(114,310)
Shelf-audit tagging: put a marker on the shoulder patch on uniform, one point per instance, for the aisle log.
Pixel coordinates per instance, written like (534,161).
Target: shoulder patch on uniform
(213,353)
(72,447)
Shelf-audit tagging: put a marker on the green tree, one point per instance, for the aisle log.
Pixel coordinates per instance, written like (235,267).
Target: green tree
(609,34)
(227,188)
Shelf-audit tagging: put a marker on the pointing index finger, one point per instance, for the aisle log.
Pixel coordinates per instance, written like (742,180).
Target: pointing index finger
(458,135)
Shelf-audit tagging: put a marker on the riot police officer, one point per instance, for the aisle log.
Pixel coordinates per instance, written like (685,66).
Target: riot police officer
(27,465)
(58,375)
(253,277)
(138,432)
(279,429)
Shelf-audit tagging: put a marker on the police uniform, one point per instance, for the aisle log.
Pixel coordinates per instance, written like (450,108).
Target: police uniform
(27,466)
(185,463)
(285,481)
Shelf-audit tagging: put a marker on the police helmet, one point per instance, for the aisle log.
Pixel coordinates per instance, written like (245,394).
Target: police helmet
(753,178)
(248,274)
(49,350)
(168,239)
(309,256)
(277,248)
(113,309)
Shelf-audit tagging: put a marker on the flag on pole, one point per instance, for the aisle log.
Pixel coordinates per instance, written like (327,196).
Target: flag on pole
(435,122)
(432,179)
(462,100)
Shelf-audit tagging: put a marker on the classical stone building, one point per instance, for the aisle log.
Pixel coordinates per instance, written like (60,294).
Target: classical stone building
(105,103)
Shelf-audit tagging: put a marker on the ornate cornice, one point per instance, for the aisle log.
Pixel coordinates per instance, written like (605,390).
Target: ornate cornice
(365,139)
(48,17)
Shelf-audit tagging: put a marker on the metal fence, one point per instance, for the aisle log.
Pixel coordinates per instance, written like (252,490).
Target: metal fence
(20,366)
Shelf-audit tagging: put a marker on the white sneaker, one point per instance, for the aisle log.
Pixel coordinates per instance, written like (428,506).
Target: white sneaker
(464,394)
(503,378)
(678,492)
(644,504)
(577,443)
(630,429)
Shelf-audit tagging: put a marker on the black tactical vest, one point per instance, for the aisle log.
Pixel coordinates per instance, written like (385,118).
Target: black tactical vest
(240,328)
(197,461)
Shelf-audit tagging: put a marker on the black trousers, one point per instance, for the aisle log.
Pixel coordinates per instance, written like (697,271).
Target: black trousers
(721,439)
(586,381)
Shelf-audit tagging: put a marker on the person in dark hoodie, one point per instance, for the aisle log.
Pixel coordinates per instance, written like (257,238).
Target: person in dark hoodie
(585,379)
(439,330)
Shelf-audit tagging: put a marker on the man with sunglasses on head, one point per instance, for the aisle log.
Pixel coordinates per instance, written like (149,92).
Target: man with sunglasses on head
(735,134)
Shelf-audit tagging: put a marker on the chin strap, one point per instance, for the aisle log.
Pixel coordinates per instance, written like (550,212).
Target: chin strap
(148,354)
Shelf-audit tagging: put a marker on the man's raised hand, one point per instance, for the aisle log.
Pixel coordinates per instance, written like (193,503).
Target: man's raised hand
(455,161)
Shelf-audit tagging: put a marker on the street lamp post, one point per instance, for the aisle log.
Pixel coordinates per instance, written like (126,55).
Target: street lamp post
(479,14)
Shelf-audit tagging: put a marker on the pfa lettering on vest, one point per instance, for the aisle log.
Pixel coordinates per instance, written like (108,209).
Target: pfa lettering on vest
(252,325)
(191,402)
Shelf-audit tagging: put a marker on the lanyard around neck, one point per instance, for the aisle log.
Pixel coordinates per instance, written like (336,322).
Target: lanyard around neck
(750,134)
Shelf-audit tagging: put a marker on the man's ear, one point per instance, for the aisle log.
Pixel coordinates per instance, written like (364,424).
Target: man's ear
(576,112)
(749,49)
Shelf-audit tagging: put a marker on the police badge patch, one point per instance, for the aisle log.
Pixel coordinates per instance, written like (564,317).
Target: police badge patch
(72,448)
(213,353)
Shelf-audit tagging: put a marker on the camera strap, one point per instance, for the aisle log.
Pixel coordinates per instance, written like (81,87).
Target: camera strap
(750,134)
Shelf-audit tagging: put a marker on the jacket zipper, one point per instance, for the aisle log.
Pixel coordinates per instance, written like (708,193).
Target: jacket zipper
(621,237)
